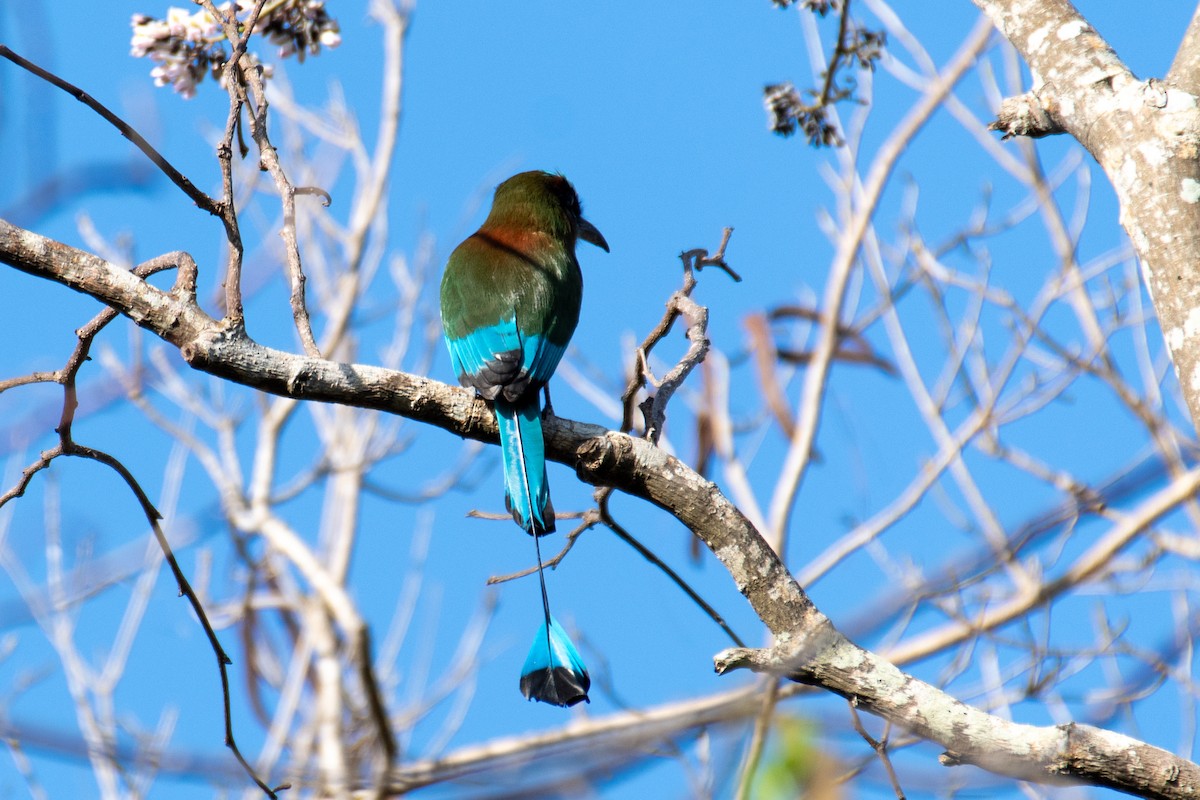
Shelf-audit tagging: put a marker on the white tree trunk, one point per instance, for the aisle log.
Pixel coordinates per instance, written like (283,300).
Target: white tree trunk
(1145,134)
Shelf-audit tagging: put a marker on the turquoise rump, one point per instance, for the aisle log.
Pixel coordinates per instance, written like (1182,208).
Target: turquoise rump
(510,300)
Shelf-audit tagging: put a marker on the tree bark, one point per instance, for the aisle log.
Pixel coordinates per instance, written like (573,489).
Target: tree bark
(1145,134)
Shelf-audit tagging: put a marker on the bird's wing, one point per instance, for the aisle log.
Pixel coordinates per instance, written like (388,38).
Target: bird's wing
(499,359)
(489,358)
(541,357)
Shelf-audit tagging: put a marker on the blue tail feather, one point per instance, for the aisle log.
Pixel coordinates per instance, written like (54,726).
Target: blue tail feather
(524,456)
(553,672)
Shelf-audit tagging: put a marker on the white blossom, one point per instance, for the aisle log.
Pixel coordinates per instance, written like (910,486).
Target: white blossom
(188,45)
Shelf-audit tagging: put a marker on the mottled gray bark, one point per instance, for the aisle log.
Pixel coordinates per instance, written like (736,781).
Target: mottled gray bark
(1145,134)
(1185,70)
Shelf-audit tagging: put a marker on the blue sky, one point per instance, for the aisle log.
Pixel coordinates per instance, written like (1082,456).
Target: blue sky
(654,111)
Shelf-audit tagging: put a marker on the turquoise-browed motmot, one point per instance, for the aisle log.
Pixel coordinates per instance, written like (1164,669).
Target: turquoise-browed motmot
(510,300)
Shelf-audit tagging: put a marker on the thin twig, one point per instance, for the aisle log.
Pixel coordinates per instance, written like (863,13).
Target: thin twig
(245,86)
(602,496)
(880,746)
(758,740)
(590,518)
(201,199)
(234,311)
(680,304)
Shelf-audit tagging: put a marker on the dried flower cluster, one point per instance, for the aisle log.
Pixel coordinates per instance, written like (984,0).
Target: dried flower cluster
(185,47)
(299,27)
(787,110)
(787,113)
(821,7)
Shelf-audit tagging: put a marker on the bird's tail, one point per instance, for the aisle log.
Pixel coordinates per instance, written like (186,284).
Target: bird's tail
(526,492)
(553,672)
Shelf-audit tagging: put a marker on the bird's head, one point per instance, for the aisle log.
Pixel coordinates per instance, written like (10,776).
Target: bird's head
(542,201)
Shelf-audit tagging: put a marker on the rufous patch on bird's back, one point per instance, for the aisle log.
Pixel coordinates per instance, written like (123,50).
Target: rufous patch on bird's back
(524,242)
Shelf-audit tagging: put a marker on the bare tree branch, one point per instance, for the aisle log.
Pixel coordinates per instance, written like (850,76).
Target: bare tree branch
(1185,69)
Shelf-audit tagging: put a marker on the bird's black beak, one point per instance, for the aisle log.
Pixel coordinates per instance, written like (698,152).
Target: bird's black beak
(589,233)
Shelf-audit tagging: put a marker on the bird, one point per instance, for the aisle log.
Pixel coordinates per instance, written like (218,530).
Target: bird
(510,299)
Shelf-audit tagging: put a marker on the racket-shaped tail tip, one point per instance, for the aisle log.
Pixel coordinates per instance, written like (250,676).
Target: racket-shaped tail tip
(554,673)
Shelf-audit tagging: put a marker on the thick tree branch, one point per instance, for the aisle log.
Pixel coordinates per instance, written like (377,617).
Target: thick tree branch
(1185,70)
(1047,754)
(1146,136)
(806,645)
